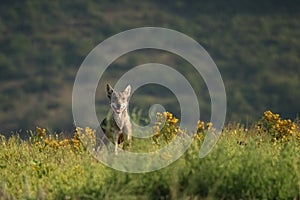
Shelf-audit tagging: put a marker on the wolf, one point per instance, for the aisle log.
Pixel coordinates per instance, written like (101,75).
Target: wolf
(119,122)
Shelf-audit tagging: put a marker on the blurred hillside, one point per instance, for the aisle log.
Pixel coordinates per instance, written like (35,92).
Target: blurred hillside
(255,44)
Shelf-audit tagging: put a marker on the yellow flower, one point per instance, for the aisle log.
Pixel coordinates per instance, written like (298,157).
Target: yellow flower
(174,120)
(64,143)
(46,141)
(165,127)
(41,132)
(209,125)
(158,123)
(55,144)
(259,126)
(276,127)
(200,126)
(198,136)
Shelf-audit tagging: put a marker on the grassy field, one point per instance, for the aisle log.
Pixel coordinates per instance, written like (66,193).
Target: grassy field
(262,162)
(255,45)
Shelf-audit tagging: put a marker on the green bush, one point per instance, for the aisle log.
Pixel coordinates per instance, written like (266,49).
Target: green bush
(244,164)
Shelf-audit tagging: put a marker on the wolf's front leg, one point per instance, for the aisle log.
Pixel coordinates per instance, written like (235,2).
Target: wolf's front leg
(117,134)
(129,137)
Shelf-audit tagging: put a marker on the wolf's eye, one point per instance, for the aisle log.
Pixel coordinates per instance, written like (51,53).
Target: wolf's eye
(123,99)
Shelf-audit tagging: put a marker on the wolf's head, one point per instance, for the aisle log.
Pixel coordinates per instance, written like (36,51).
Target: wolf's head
(118,100)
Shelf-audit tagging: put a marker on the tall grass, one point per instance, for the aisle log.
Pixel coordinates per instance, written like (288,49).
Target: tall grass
(245,164)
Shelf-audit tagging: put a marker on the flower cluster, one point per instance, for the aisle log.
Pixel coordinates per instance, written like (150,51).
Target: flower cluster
(41,132)
(201,127)
(41,139)
(280,130)
(86,136)
(165,128)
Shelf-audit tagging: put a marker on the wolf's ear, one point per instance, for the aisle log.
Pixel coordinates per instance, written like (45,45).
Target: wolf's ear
(109,90)
(127,90)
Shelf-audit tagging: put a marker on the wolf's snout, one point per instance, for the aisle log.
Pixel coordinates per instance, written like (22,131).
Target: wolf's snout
(117,107)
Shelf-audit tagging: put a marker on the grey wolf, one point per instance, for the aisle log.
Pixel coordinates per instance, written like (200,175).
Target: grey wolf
(119,122)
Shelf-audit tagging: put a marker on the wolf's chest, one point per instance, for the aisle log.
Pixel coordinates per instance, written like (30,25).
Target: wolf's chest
(118,122)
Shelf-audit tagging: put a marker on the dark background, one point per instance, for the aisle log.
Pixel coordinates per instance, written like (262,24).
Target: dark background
(255,44)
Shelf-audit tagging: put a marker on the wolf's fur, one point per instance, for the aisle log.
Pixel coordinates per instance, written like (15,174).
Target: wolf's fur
(119,122)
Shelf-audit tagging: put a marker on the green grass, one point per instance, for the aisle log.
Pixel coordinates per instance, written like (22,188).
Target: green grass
(243,165)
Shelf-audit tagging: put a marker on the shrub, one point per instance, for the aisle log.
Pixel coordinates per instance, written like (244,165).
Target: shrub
(280,130)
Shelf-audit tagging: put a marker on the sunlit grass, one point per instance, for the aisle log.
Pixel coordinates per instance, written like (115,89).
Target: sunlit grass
(246,163)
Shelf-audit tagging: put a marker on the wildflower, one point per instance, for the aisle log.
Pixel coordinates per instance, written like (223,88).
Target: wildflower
(274,140)
(46,141)
(259,127)
(209,125)
(41,132)
(279,129)
(173,120)
(76,143)
(199,136)
(165,127)
(64,143)
(200,126)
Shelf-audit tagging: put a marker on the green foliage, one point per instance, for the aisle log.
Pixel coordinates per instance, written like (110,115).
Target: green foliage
(256,170)
(244,164)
